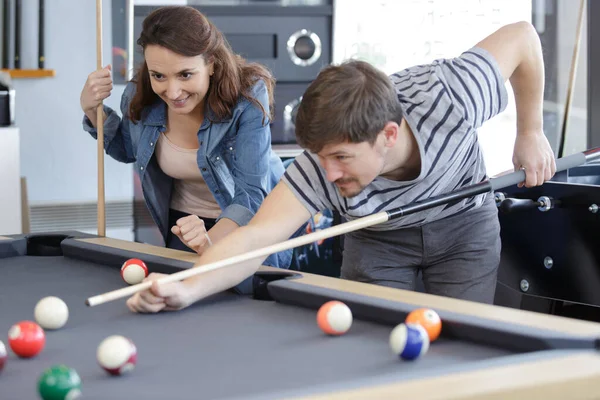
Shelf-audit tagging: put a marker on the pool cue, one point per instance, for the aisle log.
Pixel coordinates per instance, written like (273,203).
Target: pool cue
(100,127)
(18,35)
(489,185)
(571,85)
(41,50)
(5,33)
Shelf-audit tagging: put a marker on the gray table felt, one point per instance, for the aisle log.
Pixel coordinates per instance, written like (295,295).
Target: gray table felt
(229,346)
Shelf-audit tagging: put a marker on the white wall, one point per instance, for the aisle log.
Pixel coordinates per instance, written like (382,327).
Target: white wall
(395,34)
(57,157)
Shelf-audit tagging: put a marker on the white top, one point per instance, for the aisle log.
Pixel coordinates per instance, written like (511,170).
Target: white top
(190,192)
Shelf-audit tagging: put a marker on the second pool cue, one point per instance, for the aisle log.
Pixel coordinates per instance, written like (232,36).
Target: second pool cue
(100,127)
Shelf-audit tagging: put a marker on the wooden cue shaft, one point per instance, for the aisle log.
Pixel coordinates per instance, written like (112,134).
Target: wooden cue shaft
(100,127)
(335,230)
(571,85)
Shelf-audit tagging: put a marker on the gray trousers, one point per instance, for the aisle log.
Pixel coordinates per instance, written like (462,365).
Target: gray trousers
(458,256)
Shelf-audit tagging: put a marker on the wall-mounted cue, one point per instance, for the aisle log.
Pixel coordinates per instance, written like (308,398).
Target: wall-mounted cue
(18,35)
(562,139)
(41,56)
(5,33)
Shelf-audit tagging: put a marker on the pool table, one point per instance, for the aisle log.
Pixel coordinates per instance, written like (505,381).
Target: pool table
(267,345)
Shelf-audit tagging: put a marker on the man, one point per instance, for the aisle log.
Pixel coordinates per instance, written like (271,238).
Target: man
(375,143)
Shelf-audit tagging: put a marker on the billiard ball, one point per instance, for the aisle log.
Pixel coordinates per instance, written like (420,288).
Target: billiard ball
(51,313)
(428,319)
(59,382)
(3,355)
(117,355)
(334,318)
(409,341)
(26,339)
(133,271)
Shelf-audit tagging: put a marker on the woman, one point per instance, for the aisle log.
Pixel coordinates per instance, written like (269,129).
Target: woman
(196,124)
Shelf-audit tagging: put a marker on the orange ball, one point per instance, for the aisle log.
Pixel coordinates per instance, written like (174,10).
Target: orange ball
(334,318)
(428,319)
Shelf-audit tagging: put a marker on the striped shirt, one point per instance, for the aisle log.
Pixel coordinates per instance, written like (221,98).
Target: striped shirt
(443,103)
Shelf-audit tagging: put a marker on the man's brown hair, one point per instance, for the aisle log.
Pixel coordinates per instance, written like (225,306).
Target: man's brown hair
(351,102)
(186,31)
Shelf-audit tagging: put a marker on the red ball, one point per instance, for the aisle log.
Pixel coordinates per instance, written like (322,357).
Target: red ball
(3,355)
(26,339)
(133,271)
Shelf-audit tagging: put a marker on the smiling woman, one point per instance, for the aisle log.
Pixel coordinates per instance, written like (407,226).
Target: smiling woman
(177,79)
(195,121)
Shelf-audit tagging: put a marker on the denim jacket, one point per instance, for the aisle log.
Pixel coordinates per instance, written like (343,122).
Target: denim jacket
(235,158)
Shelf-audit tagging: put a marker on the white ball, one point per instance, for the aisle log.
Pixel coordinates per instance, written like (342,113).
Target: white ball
(51,313)
(117,354)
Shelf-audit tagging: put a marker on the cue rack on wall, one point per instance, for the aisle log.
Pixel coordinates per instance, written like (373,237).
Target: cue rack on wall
(12,12)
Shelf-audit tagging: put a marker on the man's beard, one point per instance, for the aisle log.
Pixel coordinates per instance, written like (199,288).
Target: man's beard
(349,192)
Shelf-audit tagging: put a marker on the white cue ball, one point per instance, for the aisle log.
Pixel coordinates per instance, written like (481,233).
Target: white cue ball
(51,313)
(117,355)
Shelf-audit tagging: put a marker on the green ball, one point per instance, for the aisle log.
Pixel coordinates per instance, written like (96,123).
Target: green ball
(59,382)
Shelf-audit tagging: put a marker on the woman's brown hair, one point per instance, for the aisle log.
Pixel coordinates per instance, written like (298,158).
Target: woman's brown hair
(186,31)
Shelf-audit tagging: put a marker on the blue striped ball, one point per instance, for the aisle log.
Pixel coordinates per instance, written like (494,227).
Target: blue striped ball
(409,341)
